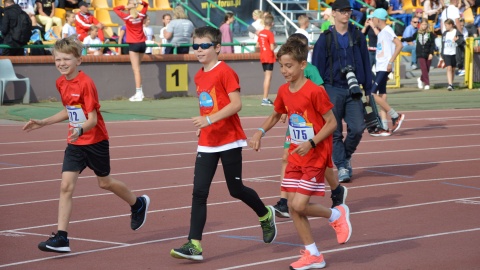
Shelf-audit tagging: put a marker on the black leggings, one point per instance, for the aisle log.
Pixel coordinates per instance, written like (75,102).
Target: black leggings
(205,167)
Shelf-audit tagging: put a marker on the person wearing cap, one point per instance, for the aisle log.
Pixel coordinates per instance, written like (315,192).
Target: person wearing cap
(371,32)
(330,61)
(388,48)
(83,21)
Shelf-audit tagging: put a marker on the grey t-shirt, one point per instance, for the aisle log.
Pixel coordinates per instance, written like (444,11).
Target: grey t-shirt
(182,30)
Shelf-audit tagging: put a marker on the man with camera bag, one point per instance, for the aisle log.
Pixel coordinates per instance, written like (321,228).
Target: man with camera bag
(341,56)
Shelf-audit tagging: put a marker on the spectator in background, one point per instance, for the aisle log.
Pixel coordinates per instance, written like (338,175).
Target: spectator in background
(328,19)
(396,11)
(357,15)
(227,35)
(179,31)
(304,23)
(92,39)
(45,14)
(411,45)
(257,25)
(431,9)
(72,4)
(27,6)
(451,12)
(460,56)
(136,40)
(148,31)
(122,39)
(1,21)
(9,22)
(451,38)
(83,21)
(266,43)
(371,32)
(68,29)
(166,18)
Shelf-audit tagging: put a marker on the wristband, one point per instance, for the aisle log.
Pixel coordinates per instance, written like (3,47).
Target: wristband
(208,120)
(390,63)
(79,131)
(263,131)
(312,143)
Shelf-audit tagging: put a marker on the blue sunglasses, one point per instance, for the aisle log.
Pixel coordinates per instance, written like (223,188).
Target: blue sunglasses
(204,46)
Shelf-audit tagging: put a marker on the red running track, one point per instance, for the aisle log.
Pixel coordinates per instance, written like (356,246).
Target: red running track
(414,200)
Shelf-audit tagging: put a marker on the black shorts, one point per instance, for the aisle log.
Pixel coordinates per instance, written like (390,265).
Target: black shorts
(140,47)
(380,83)
(267,66)
(450,60)
(94,156)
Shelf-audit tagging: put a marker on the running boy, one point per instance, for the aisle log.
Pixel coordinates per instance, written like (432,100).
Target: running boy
(388,48)
(221,137)
(266,42)
(311,123)
(339,193)
(88,144)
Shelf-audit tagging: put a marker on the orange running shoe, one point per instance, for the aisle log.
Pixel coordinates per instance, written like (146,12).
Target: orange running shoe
(342,225)
(308,261)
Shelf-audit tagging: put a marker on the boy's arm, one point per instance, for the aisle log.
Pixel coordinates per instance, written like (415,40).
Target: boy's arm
(266,126)
(398,49)
(327,130)
(232,108)
(33,124)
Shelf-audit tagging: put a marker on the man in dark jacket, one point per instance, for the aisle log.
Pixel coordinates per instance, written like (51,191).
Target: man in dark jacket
(9,21)
(340,48)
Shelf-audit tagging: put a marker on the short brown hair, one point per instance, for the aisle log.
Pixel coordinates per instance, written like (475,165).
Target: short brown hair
(295,48)
(209,32)
(69,45)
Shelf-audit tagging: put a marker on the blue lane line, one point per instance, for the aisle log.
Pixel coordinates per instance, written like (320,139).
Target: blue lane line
(457,185)
(390,174)
(10,164)
(256,239)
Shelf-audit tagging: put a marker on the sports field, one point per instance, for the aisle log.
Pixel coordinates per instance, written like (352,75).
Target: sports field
(414,198)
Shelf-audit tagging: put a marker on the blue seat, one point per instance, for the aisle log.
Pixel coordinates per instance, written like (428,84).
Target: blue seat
(8,75)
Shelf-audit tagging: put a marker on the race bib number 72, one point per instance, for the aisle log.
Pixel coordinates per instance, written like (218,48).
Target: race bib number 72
(76,117)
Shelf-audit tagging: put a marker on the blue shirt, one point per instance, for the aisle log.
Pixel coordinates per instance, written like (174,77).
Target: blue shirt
(409,32)
(330,69)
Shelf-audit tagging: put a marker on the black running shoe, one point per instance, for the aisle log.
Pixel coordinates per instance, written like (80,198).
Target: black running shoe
(281,210)
(339,198)
(55,243)
(269,227)
(187,251)
(139,217)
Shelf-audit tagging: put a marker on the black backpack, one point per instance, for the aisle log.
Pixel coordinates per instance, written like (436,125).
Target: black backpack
(22,32)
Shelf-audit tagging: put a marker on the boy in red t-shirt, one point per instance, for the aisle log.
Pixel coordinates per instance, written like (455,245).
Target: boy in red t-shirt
(88,144)
(311,123)
(266,42)
(221,137)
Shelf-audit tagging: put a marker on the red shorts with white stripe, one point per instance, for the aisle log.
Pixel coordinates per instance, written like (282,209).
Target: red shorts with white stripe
(309,181)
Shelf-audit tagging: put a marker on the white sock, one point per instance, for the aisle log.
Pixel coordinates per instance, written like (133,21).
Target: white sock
(393,113)
(385,124)
(335,215)
(312,248)
(139,90)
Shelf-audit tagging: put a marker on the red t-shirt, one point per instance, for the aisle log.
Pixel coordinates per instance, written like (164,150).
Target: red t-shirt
(305,109)
(134,25)
(265,38)
(83,23)
(80,97)
(213,88)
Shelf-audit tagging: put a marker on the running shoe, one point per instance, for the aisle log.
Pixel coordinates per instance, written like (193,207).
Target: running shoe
(55,243)
(269,228)
(139,217)
(342,225)
(281,210)
(397,122)
(308,261)
(267,102)
(340,198)
(343,175)
(188,251)
(381,133)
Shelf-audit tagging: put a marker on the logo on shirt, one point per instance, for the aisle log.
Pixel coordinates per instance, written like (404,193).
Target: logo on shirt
(75,95)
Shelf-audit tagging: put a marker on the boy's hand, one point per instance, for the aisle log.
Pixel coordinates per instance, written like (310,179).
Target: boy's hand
(255,141)
(73,134)
(200,121)
(302,149)
(33,124)
(283,118)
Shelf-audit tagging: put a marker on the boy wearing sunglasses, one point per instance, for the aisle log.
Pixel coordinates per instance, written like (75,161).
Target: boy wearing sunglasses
(221,137)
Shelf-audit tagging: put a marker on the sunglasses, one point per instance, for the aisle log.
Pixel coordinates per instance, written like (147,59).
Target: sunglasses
(204,46)
(414,21)
(344,11)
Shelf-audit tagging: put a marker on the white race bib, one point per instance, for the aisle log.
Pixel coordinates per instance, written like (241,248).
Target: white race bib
(300,131)
(76,117)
